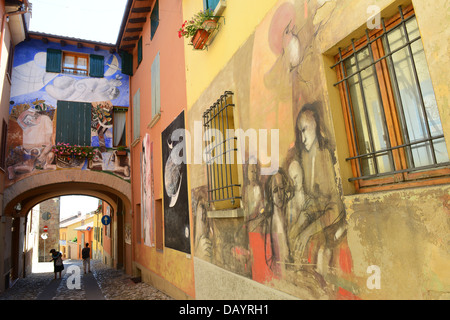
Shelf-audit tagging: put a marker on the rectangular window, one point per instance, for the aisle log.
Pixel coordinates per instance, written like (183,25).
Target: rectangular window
(75,63)
(221,154)
(120,118)
(9,68)
(139,50)
(127,63)
(210,4)
(137,115)
(3,145)
(73,123)
(156,87)
(154,17)
(393,126)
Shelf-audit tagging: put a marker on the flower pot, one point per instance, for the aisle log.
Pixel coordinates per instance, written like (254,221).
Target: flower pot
(199,39)
(121,152)
(209,25)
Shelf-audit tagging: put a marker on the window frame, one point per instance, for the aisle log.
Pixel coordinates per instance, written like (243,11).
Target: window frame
(75,55)
(154,19)
(401,176)
(224,189)
(206,5)
(125,137)
(9,67)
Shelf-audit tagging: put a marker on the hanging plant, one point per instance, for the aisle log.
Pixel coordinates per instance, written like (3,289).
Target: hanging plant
(198,28)
(65,150)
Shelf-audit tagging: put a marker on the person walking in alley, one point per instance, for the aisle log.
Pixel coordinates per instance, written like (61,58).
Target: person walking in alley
(57,262)
(86,255)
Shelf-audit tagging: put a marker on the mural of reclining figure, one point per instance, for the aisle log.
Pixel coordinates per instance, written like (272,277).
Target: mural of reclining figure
(37,143)
(84,90)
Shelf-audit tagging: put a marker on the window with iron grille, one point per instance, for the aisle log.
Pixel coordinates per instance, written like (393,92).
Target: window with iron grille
(393,126)
(221,154)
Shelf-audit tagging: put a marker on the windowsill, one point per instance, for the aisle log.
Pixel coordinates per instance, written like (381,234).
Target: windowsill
(228,213)
(220,7)
(154,120)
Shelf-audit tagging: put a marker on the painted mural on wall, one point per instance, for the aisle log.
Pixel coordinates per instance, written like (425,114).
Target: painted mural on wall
(33,113)
(176,202)
(147,192)
(293,235)
(30,79)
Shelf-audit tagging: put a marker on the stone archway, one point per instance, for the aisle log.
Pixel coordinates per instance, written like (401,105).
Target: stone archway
(39,187)
(36,188)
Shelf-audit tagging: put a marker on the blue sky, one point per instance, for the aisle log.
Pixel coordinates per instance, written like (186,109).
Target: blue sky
(95,20)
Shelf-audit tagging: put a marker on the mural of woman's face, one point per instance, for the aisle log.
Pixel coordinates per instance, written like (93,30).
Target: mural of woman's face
(296,174)
(278,190)
(307,126)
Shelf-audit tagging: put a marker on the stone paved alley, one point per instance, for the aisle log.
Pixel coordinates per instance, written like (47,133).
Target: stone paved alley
(104,283)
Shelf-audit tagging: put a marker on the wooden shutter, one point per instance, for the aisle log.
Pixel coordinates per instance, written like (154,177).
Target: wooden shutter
(127,63)
(54,60)
(73,123)
(156,86)
(137,115)
(154,17)
(96,66)
(139,50)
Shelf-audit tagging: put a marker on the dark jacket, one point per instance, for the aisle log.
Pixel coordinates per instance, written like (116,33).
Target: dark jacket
(85,253)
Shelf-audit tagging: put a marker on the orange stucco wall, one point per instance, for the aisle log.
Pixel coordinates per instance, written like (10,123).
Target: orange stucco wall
(174,266)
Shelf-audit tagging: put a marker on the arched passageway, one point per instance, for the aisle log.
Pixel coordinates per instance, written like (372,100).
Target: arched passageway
(23,195)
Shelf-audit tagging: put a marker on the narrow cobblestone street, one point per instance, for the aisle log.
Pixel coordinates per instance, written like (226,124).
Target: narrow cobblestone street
(104,283)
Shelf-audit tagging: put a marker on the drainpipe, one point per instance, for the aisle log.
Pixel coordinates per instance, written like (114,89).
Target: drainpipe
(5,17)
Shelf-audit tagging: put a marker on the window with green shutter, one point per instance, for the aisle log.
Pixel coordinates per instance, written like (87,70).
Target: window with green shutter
(137,115)
(139,50)
(154,17)
(54,60)
(127,63)
(156,87)
(75,63)
(73,123)
(96,66)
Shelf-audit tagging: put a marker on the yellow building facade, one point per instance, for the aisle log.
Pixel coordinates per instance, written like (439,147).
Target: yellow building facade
(350,198)
(69,233)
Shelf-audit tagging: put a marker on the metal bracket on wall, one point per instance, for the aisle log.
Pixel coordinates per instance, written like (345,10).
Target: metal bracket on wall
(214,32)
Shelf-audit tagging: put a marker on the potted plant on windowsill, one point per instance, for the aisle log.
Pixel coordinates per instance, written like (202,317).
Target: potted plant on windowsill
(121,151)
(199,28)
